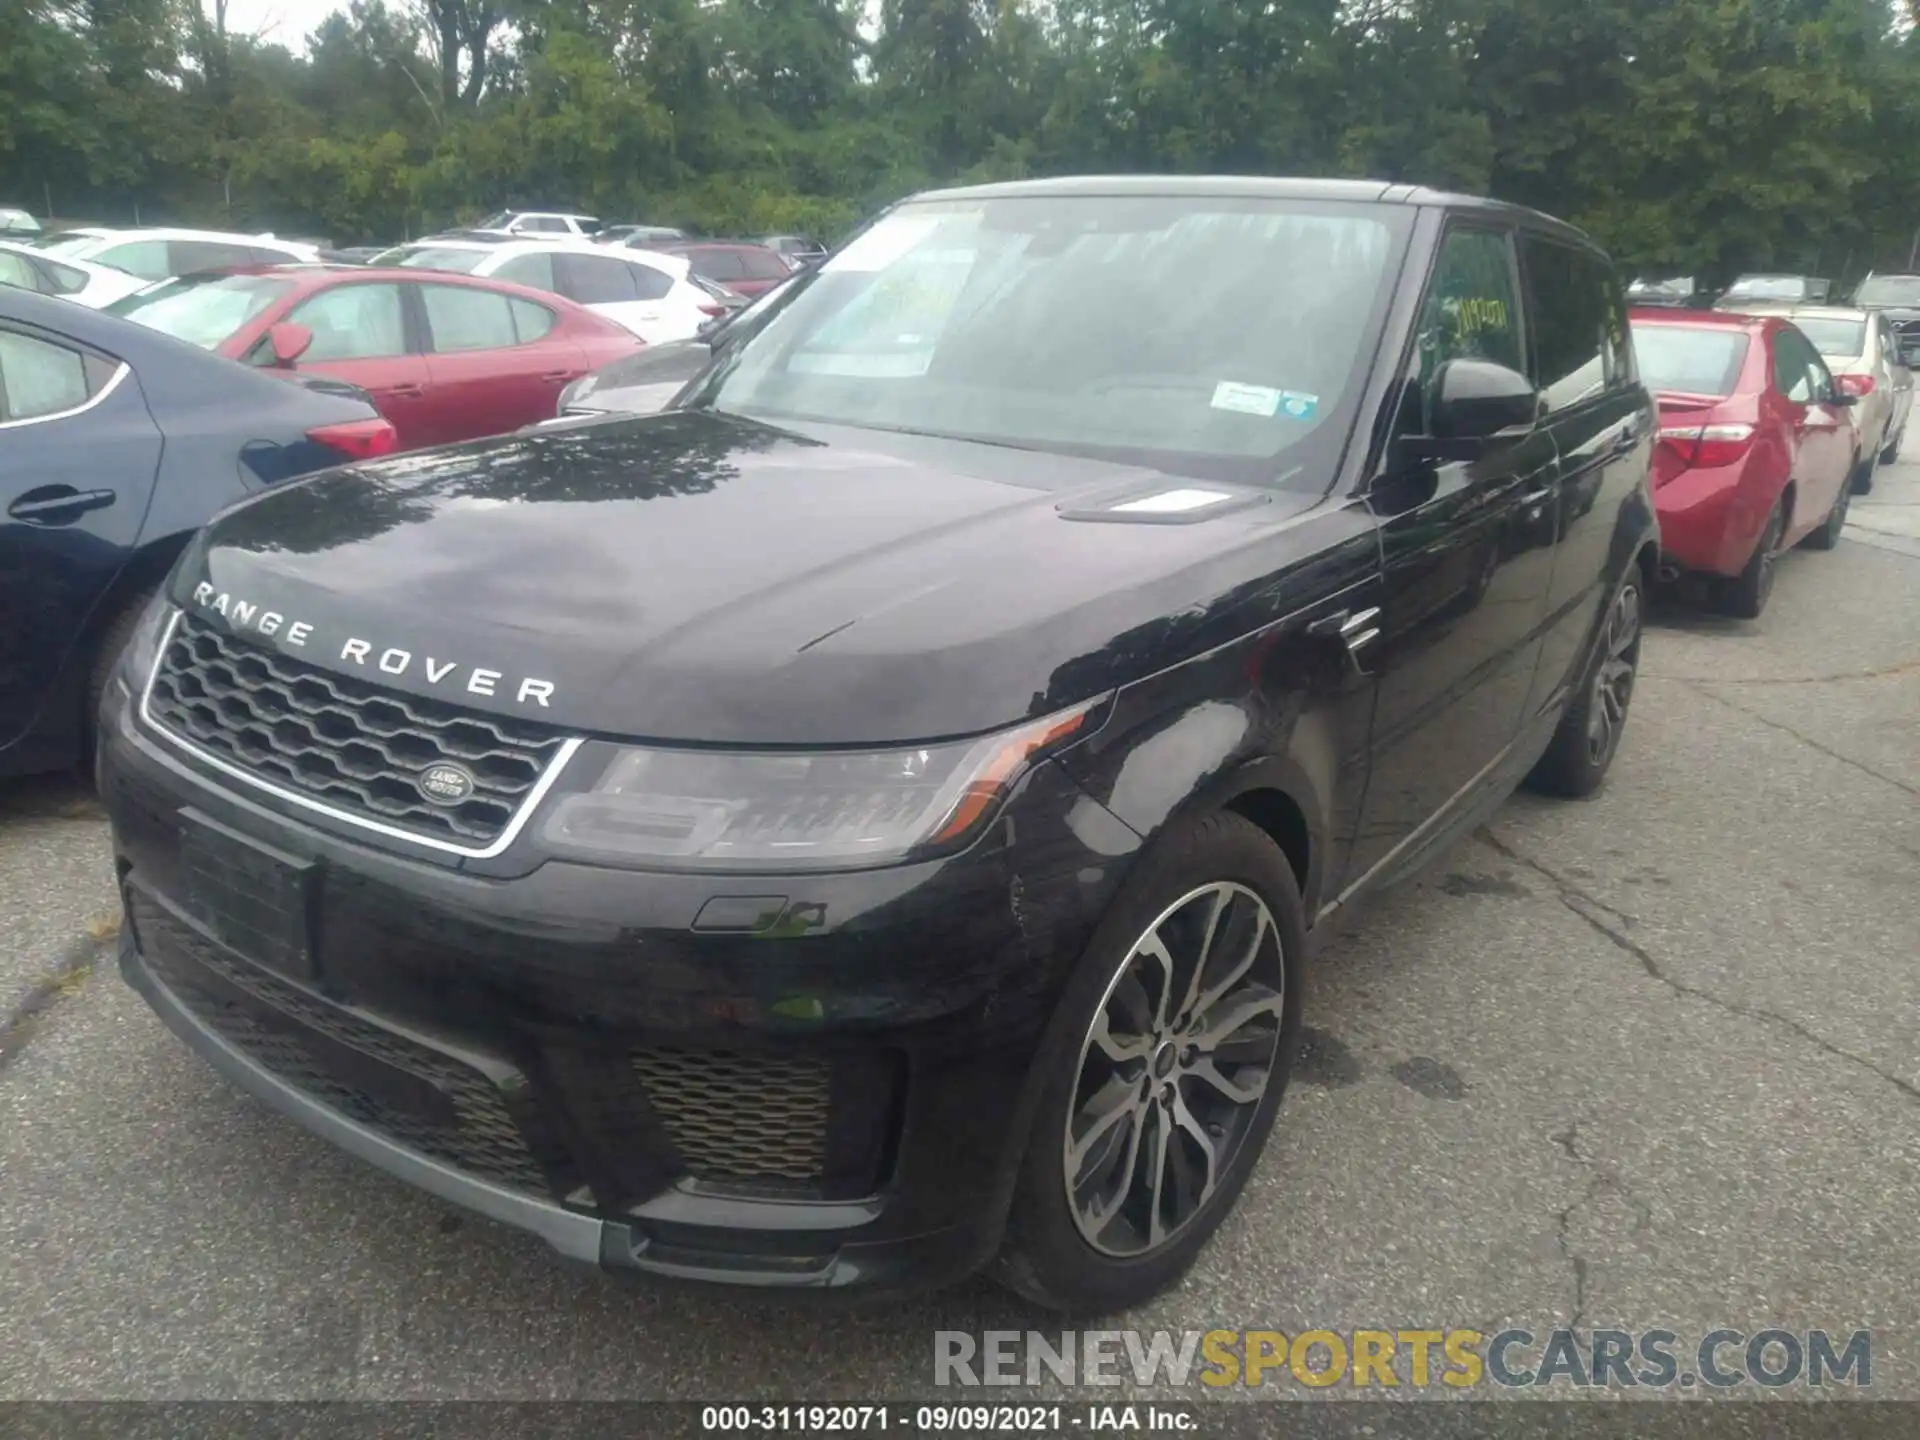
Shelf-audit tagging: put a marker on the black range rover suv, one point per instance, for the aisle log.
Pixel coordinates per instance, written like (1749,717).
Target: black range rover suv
(865,823)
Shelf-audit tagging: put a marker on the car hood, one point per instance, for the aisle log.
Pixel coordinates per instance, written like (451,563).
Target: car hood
(692,576)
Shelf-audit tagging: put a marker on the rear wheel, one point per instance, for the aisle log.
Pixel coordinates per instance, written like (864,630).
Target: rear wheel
(1168,1058)
(1828,535)
(1746,595)
(1588,736)
(1888,455)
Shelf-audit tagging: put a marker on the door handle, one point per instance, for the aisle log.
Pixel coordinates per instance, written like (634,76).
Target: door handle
(560,375)
(403,392)
(1625,440)
(1353,628)
(1536,498)
(59,504)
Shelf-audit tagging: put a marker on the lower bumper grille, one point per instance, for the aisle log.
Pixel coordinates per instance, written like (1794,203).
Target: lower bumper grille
(740,1116)
(451,1111)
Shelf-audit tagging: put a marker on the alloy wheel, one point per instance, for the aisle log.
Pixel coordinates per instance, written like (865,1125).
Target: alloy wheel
(1613,677)
(1173,1068)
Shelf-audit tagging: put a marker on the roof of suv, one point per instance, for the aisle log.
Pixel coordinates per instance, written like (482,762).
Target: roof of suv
(1252,187)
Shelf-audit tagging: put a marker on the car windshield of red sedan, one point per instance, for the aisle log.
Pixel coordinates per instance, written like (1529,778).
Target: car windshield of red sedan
(202,310)
(1691,361)
(1833,337)
(1204,335)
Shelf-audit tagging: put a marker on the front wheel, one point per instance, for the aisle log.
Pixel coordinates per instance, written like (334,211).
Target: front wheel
(1588,736)
(1168,1058)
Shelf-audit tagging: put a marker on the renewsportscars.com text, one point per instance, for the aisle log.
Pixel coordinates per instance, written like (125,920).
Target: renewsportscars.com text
(1721,1359)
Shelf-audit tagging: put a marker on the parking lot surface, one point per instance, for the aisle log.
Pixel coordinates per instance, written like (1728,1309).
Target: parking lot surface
(1644,1061)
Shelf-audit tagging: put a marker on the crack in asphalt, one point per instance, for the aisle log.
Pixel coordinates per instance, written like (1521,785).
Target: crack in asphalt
(1586,906)
(1602,1180)
(63,979)
(1700,688)
(1878,672)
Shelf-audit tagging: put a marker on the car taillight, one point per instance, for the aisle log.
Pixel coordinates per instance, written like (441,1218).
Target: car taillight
(1856,385)
(358,439)
(1707,444)
(713,310)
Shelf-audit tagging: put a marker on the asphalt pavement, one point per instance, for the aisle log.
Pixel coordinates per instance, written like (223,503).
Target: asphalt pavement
(1648,1060)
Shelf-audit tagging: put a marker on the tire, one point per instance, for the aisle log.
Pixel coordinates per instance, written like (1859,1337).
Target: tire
(113,640)
(1746,594)
(1577,758)
(1099,1249)
(1888,455)
(1828,535)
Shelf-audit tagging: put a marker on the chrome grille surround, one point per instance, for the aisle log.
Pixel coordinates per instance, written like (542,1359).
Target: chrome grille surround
(337,745)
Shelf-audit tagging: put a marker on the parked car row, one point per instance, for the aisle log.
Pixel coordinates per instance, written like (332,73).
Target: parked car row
(1772,417)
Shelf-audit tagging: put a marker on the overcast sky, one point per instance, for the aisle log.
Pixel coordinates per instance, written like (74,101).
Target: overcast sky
(281,22)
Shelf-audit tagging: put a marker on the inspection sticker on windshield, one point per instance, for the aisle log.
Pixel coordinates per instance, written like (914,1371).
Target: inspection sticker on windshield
(1247,399)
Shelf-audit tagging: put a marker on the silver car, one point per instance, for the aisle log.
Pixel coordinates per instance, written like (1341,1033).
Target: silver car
(1860,349)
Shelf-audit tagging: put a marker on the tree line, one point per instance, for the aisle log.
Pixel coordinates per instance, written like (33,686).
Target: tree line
(1690,136)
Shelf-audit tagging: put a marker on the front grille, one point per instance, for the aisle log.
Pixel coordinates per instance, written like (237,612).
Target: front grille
(736,1115)
(338,739)
(482,1138)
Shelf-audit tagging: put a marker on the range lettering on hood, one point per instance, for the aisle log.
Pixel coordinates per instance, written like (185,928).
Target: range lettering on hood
(368,654)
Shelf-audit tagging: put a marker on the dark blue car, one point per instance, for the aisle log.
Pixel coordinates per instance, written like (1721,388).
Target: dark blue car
(116,444)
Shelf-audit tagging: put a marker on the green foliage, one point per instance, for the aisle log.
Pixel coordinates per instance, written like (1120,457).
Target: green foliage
(1703,136)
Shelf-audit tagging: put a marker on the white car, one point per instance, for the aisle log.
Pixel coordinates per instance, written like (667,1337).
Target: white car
(651,295)
(80,281)
(163,254)
(530,223)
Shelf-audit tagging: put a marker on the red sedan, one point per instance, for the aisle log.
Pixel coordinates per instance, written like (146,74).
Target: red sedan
(1757,447)
(444,357)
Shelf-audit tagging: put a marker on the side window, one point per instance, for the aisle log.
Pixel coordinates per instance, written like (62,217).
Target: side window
(353,322)
(533,271)
(763,265)
(39,378)
(594,279)
(66,279)
(1570,321)
(1616,338)
(1798,372)
(530,321)
(649,283)
(1471,311)
(145,258)
(17,271)
(463,319)
(721,265)
(191,256)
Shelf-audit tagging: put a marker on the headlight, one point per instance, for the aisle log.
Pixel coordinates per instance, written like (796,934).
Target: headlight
(796,810)
(577,391)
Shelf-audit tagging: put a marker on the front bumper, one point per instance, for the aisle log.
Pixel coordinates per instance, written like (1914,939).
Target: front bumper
(836,1101)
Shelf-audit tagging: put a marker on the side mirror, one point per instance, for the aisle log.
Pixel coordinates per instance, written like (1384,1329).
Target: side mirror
(1477,399)
(289,342)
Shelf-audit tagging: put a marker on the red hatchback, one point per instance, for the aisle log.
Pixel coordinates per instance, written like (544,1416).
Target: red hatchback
(1757,447)
(444,357)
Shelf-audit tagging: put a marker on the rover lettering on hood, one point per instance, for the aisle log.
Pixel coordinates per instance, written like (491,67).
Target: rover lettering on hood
(368,654)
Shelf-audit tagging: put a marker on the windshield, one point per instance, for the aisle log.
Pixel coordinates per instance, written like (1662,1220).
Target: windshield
(1693,362)
(202,312)
(1834,337)
(433,257)
(1201,335)
(1889,290)
(1769,287)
